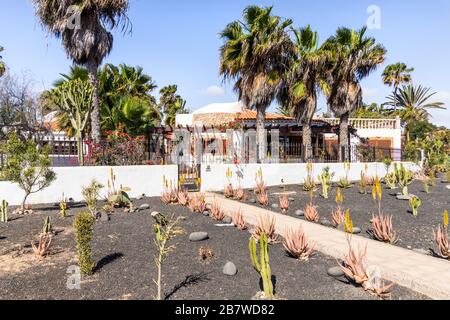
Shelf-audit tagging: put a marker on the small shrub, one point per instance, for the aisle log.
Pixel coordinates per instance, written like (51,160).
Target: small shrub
(441,238)
(311,213)
(84,225)
(91,195)
(266,226)
(238,220)
(43,247)
(284,203)
(217,212)
(296,244)
(415,203)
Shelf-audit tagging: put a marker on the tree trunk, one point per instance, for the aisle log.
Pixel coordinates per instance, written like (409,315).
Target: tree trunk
(260,134)
(307,141)
(395,99)
(79,138)
(24,202)
(344,144)
(92,68)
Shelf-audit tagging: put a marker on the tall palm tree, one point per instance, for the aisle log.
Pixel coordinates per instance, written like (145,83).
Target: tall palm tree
(395,75)
(415,104)
(301,84)
(2,64)
(171,103)
(89,42)
(352,57)
(255,54)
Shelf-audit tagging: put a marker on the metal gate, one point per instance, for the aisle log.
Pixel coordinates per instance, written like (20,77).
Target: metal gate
(189,176)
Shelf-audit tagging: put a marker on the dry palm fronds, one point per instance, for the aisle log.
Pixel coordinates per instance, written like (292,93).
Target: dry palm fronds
(217,212)
(337,217)
(383,230)
(354,265)
(284,203)
(238,220)
(296,244)
(228,191)
(311,213)
(239,194)
(266,226)
(43,247)
(183,197)
(442,242)
(263,198)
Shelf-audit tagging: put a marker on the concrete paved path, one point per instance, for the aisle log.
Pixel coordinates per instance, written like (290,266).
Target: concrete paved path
(424,274)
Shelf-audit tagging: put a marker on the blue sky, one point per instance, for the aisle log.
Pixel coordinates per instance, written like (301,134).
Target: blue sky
(177,41)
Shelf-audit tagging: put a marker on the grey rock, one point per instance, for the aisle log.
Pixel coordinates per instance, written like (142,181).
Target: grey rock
(252,200)
(154,214)
(229,269)
(275,206)
(227,220)
(104,217)
(224,225)
(448,187)
(299,213)
(291,199)
(356,230)
(335,272)
(144,206)
(198,236)
(326,223)
(403,197)
(206,213)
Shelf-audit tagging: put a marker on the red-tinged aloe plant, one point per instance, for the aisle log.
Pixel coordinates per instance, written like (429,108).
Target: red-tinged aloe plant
(42,249)
(266,226)
(311,213)
(284,203)
(217,212)
(238,220)
(263,198)
(441,238)
(297,245)
(383,230)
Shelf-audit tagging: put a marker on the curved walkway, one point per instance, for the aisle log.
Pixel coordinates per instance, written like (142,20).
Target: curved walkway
(424,274)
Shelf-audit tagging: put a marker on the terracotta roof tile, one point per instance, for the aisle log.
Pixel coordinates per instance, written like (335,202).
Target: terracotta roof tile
(251,115)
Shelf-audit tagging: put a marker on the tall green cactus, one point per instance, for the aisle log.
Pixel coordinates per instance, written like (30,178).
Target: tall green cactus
(404,178)
(4,211)
(262,266)
(325,180)
(47,229)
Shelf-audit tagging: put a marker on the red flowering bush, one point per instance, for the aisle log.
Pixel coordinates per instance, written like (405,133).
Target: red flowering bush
(118,149)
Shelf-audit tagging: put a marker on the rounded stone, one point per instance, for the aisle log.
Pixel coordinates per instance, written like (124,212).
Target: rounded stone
(229,269)
(206,213)
(335,272)
(252,200)
(326,223)
(227,220)
(144,206)
(198,236)
(291,199)
(275,206)
(104,217)
(299,213)
(356,230)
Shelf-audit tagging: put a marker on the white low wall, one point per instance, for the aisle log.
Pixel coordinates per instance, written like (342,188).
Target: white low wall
(146,180)
(214,175)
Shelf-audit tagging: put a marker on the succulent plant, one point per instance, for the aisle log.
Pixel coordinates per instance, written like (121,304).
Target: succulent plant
(265,226)
(238,220)
(262,265)
(325,180)
(415,203)
(297,245)
(4,211)
(311,213)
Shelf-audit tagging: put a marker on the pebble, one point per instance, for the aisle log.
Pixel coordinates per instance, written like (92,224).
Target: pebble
(405,198)
(198,236)
(299,213)
(448,187)
(206,213)
(144,206)
(335,272)
(275,206)
(229,269)
(356,230)
(227,220)
(291,199)
(252,200)
(104,217)
(326,223)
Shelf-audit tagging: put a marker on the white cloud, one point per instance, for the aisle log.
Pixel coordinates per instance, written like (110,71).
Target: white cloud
(213,91)
(441,117)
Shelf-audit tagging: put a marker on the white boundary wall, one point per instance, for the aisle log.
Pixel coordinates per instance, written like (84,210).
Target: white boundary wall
(146,180)
(214,175)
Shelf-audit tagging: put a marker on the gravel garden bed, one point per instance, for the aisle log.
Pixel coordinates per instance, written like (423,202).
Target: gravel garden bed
(124,251)
(415,233)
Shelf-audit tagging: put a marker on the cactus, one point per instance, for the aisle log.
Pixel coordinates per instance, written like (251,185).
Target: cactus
(404,178)
(391,180)
(262,266)
(325,180)
(414,204)
(84,225)
(47,229)
(63,206)
(4,211)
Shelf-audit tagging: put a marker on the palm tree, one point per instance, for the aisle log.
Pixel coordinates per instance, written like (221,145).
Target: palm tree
(414,102)
(396,74)
(255,55)
(90,42)
(2,65)
(352,57)
(171,103)
(301,84)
